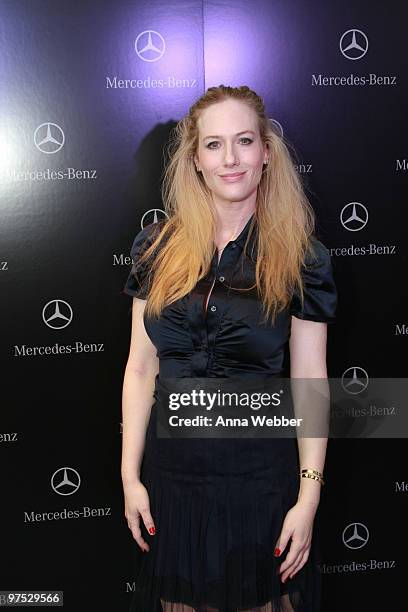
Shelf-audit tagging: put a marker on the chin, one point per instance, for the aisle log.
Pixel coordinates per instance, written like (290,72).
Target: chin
(235,197)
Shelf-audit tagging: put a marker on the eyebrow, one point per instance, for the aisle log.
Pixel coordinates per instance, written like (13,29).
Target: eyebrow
(239,134)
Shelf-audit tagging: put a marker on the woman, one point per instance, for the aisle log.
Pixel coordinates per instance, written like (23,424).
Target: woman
(218,290)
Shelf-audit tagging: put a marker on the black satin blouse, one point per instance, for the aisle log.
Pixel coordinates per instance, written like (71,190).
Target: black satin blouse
(229,339)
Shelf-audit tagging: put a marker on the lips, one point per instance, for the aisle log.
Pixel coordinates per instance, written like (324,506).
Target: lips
(232,175)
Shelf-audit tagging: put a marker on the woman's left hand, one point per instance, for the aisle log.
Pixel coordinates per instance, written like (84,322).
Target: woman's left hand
(298,525)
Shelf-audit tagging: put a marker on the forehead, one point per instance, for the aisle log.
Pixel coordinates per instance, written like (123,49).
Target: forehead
(226,118)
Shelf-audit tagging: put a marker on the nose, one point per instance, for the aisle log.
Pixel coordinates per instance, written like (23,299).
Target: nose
(230,156)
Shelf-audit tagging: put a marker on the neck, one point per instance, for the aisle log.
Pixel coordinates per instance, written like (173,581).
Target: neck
(227,231)
(232,216)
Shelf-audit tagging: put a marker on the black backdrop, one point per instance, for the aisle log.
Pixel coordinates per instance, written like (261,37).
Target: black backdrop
(89,93)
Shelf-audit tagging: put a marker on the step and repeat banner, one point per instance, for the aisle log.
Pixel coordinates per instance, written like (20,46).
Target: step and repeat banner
(89,94)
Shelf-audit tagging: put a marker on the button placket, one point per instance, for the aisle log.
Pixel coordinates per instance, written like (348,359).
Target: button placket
(217,266)
(206,323)
(219,292)
(201,331)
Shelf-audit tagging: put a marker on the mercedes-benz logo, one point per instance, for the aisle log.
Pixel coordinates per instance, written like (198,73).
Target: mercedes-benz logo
(354,44)
(354,380)
(153,215)
(150,46)
(65,481)
(355,535)
(277,127)
(354,216)
(49,138)
(57,314)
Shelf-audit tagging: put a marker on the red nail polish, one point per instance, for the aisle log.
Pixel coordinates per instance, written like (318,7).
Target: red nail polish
(277,552)
(152,530)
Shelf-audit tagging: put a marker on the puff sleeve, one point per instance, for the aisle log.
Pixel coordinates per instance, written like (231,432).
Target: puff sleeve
(137,283)
(320,292)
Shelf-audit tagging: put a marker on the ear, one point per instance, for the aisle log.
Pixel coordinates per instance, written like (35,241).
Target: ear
(266,152)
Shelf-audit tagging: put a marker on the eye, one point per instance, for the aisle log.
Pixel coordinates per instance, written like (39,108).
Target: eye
(249,141)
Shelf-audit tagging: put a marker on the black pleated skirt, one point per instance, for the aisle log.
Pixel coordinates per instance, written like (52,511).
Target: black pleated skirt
(218,506)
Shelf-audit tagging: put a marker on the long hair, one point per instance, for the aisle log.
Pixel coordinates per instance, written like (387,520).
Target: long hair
(284,218)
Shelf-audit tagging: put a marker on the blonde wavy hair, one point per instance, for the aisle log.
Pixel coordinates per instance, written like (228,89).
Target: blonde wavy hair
(283,215)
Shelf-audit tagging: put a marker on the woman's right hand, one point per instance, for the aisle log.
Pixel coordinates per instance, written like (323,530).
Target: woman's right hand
(137,505)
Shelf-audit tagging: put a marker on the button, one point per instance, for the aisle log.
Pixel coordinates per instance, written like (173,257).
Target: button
(233,246)
(213,308)
(221,279)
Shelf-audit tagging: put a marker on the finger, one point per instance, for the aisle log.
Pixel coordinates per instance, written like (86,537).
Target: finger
(134,526)
(135,529)
(289,571)
(297,563)
(301,563)
(282,542)
(294,555)
(148,520)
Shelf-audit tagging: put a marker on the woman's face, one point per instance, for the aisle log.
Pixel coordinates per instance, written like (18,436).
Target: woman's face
(230,143)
